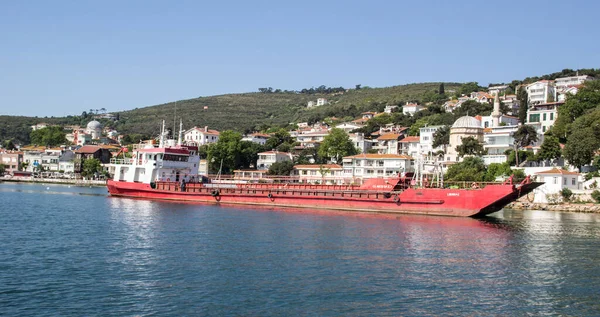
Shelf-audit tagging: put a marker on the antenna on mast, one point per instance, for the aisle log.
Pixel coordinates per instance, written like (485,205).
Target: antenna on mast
(174,120)
(161,142)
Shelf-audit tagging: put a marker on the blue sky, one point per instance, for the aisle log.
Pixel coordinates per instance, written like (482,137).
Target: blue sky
(64,57)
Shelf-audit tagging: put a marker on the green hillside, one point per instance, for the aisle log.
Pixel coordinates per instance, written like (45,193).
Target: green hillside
(250,111)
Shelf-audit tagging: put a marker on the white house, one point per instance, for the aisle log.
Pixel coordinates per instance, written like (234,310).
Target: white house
(309,139)
(360,142)
(542,116)
(481,97)
(389,109)
(349,126)
(487,121)
(38,126)
(330,174)
(426,139)
(411,108)
(388,143)
(563,94)
(410,146)
(201,136)
(322,102)
(554,181)
(311,104)
(363,166)
(259,138)
(572,81)
(541,92)
(497,90)
(266,159)
(497,141)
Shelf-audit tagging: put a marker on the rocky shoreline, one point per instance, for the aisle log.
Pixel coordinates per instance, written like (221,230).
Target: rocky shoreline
(563,207)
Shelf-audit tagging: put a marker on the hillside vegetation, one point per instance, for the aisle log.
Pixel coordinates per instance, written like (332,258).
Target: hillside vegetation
(252,111)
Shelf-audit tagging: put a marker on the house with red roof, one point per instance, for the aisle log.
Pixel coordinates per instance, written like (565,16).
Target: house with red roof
(555,180)
(201,136)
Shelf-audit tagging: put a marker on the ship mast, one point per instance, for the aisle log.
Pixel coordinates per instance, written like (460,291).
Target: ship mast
(161,142)
(179,141)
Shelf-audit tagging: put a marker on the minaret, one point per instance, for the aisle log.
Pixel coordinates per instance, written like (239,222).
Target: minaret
(496,112)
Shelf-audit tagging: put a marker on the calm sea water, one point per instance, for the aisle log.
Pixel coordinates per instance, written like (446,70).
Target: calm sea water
(71,251)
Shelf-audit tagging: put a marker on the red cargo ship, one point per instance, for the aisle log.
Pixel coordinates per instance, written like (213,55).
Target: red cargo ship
(170,172)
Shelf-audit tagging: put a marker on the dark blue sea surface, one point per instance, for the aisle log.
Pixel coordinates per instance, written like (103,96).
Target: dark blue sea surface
(73,251)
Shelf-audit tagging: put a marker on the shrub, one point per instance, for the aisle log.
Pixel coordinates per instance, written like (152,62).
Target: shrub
(596,195)
(566,194)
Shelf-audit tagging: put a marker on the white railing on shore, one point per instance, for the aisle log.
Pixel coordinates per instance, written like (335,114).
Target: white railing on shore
(126,161)
(76,182)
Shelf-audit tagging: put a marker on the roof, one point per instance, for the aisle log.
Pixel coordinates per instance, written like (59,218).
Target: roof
(555,171)
(317,166)
(389,136)
(203,130)
(380,156)
(88,149)
(261,135)
(410,139)
(467,122)
(274,152)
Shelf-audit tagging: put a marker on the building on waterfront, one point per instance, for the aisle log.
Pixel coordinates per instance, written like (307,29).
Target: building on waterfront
(312,138)
(249,175)
(266,159)
(463,127)
(12,161)
(88,152)
(363,166)
(554,181)
(201,136)
(330,174)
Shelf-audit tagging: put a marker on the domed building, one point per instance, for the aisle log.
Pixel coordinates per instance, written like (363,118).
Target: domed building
(94,128)
(464,127)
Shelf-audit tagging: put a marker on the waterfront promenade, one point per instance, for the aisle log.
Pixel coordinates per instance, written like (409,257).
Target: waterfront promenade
(76,182)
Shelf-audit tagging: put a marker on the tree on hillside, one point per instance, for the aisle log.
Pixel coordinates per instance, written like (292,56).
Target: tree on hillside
(441,90)
(588,98)
(468,88)
(471,169)
(281,136)
(336,145)
(524,136)
(9,145)
(249,154)
(226,150)
(470,146)
(283,168)
(550,149)
(48,136)
(473,108)
(441,137)
(584,141)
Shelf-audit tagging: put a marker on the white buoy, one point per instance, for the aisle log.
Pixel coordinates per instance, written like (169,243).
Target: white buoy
(47,188)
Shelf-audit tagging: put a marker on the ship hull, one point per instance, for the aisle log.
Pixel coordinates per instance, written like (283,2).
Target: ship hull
(428,201)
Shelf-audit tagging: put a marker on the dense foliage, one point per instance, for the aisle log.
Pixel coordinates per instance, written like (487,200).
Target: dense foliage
(49,136)
(470,146)
(336,145)
(91,167)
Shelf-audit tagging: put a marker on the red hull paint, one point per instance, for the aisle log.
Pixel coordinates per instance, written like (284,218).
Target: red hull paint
(429,201)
